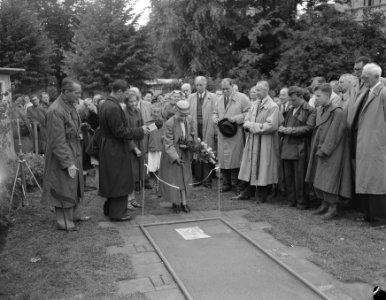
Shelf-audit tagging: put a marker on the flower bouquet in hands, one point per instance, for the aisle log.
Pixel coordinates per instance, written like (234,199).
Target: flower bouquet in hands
(203,152)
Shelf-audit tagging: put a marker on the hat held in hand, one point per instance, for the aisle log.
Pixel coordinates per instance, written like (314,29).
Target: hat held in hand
(227,128)
(379,294)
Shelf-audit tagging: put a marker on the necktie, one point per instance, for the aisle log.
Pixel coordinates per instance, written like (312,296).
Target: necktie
(225,102)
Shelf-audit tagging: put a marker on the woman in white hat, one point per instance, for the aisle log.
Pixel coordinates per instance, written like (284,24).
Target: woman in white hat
(176,158)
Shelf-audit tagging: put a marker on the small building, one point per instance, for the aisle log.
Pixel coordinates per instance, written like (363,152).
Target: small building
(5,82)
(360,8)
(160,85)
(6,137)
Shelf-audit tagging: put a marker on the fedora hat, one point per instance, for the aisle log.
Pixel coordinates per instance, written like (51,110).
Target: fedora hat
(183,107)
(227,128)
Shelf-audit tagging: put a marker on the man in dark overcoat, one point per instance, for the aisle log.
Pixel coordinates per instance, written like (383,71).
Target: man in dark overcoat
(63,173)
(115,170)
(296,132)
(329,165)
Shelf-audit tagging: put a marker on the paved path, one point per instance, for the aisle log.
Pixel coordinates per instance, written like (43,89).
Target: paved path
(153,279)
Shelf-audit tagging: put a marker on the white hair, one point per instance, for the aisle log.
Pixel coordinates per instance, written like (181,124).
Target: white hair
(263,85)
(347,76)
(200,78)
(373,69)
(136,90)
(186,85)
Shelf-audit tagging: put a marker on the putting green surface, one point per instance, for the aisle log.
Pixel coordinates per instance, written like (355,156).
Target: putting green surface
(224,265)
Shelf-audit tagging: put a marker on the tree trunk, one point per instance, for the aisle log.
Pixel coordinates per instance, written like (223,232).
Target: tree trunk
(7,149)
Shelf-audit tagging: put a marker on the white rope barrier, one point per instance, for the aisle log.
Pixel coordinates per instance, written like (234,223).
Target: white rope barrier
(176,187)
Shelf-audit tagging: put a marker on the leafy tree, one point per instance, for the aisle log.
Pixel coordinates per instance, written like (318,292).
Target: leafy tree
(325,42)
(220,38)
(23,43)
(108,45)
(59,18)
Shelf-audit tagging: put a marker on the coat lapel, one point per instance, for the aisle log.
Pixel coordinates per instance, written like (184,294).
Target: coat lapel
(374,94)
(322,118)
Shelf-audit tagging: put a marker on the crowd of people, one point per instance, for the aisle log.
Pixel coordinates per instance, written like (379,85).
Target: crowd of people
(326,142)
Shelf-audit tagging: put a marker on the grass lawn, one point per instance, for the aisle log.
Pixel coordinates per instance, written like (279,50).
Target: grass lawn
(72,265)
(75,265)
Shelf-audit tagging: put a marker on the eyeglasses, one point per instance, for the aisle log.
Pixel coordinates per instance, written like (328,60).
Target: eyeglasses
(357,69)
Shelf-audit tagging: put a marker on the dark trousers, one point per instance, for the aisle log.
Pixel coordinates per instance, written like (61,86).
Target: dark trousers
(369,205)
(116,207)
(201,170)
(230,178)
(294,175)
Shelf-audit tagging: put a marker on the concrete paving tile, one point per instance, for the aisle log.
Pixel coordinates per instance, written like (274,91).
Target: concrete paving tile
(234,219)
(156,280)
(124,249)
(167,279)
(144,258)
(146,270)
(259,225)
(211,214)
(301,266)
(172,294)
(132,286)
(159,283)
(146,219)
(140,247)
(265,240)
(336,294)
(170,218)
(358,291)
(320,278)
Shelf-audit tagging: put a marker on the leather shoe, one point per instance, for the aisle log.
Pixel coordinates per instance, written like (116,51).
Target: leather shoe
(122,219)
(302,207)
(185,208)
(261,199)
(83,219)
(322,209)
(331,213)
(73,228)
(226,188)
(240,197)
(176,208)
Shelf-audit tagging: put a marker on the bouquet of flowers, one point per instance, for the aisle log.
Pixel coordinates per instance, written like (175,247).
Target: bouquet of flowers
(203,152)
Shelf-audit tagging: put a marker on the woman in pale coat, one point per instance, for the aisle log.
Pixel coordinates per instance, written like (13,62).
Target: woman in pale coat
(260,162)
